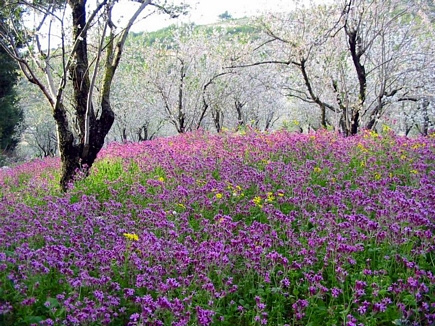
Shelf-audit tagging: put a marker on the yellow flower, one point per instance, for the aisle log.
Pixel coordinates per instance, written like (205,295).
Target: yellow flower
(414,171)
(181,205)
(377,176)
(257,201)
(200,182)
(218,195)
(417,146)
(362,148)
(270,197)
(131,236)
(161,179)
(317,169)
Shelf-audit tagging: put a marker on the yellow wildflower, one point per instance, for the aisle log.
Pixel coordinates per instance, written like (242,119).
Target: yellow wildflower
(218,195)
(377,176)
(317,169)
(270,197)
(417,146)
(414,171)
(362,148)
(161,179)
(131,236)
(257,201)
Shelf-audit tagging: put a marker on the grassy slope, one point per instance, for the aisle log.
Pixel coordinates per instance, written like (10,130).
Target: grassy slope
(232,229)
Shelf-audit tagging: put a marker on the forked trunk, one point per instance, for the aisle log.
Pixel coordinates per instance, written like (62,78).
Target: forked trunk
(73,156)
(77,151)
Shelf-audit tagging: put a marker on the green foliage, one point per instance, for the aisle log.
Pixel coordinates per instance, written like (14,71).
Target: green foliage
(238,27)
(10,112)
(225,16)
(148,39)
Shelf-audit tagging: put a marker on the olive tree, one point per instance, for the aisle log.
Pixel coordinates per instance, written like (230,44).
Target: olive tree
(354,60)
(62,30)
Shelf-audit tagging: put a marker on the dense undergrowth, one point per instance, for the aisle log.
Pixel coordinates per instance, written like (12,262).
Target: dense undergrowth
(199,229)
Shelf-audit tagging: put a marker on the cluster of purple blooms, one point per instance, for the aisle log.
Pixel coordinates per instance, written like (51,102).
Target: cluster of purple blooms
(253,229)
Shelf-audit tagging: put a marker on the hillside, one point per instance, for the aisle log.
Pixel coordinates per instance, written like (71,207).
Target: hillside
(230,26)
(230,229)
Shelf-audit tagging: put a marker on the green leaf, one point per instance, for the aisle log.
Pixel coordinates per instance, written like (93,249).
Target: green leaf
(53,302)
(33,319)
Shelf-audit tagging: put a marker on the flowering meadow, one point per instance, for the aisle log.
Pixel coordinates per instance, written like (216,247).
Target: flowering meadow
(231,229)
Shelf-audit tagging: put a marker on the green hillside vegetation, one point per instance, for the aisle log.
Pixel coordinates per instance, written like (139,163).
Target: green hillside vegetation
(230,26)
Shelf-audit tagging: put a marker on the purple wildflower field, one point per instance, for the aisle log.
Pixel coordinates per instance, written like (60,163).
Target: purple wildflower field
(232,229)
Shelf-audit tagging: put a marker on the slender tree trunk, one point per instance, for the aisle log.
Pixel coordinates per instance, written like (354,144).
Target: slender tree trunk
(424,106)
(217,120)
(240,121)
(356,52)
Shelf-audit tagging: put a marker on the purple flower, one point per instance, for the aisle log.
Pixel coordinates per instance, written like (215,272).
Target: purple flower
(135,317)
(28,301)
(285,283)
(99,295)
(204,316)
(335,292)
(379,307)
(362,310)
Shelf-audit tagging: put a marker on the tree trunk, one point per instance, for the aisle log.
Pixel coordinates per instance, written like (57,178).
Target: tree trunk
(424,106)
(356,51)
(75,153)
(240,121)
(217,120)
(354,123)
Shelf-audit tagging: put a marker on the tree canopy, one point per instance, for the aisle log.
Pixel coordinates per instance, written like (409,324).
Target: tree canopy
(10,112)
